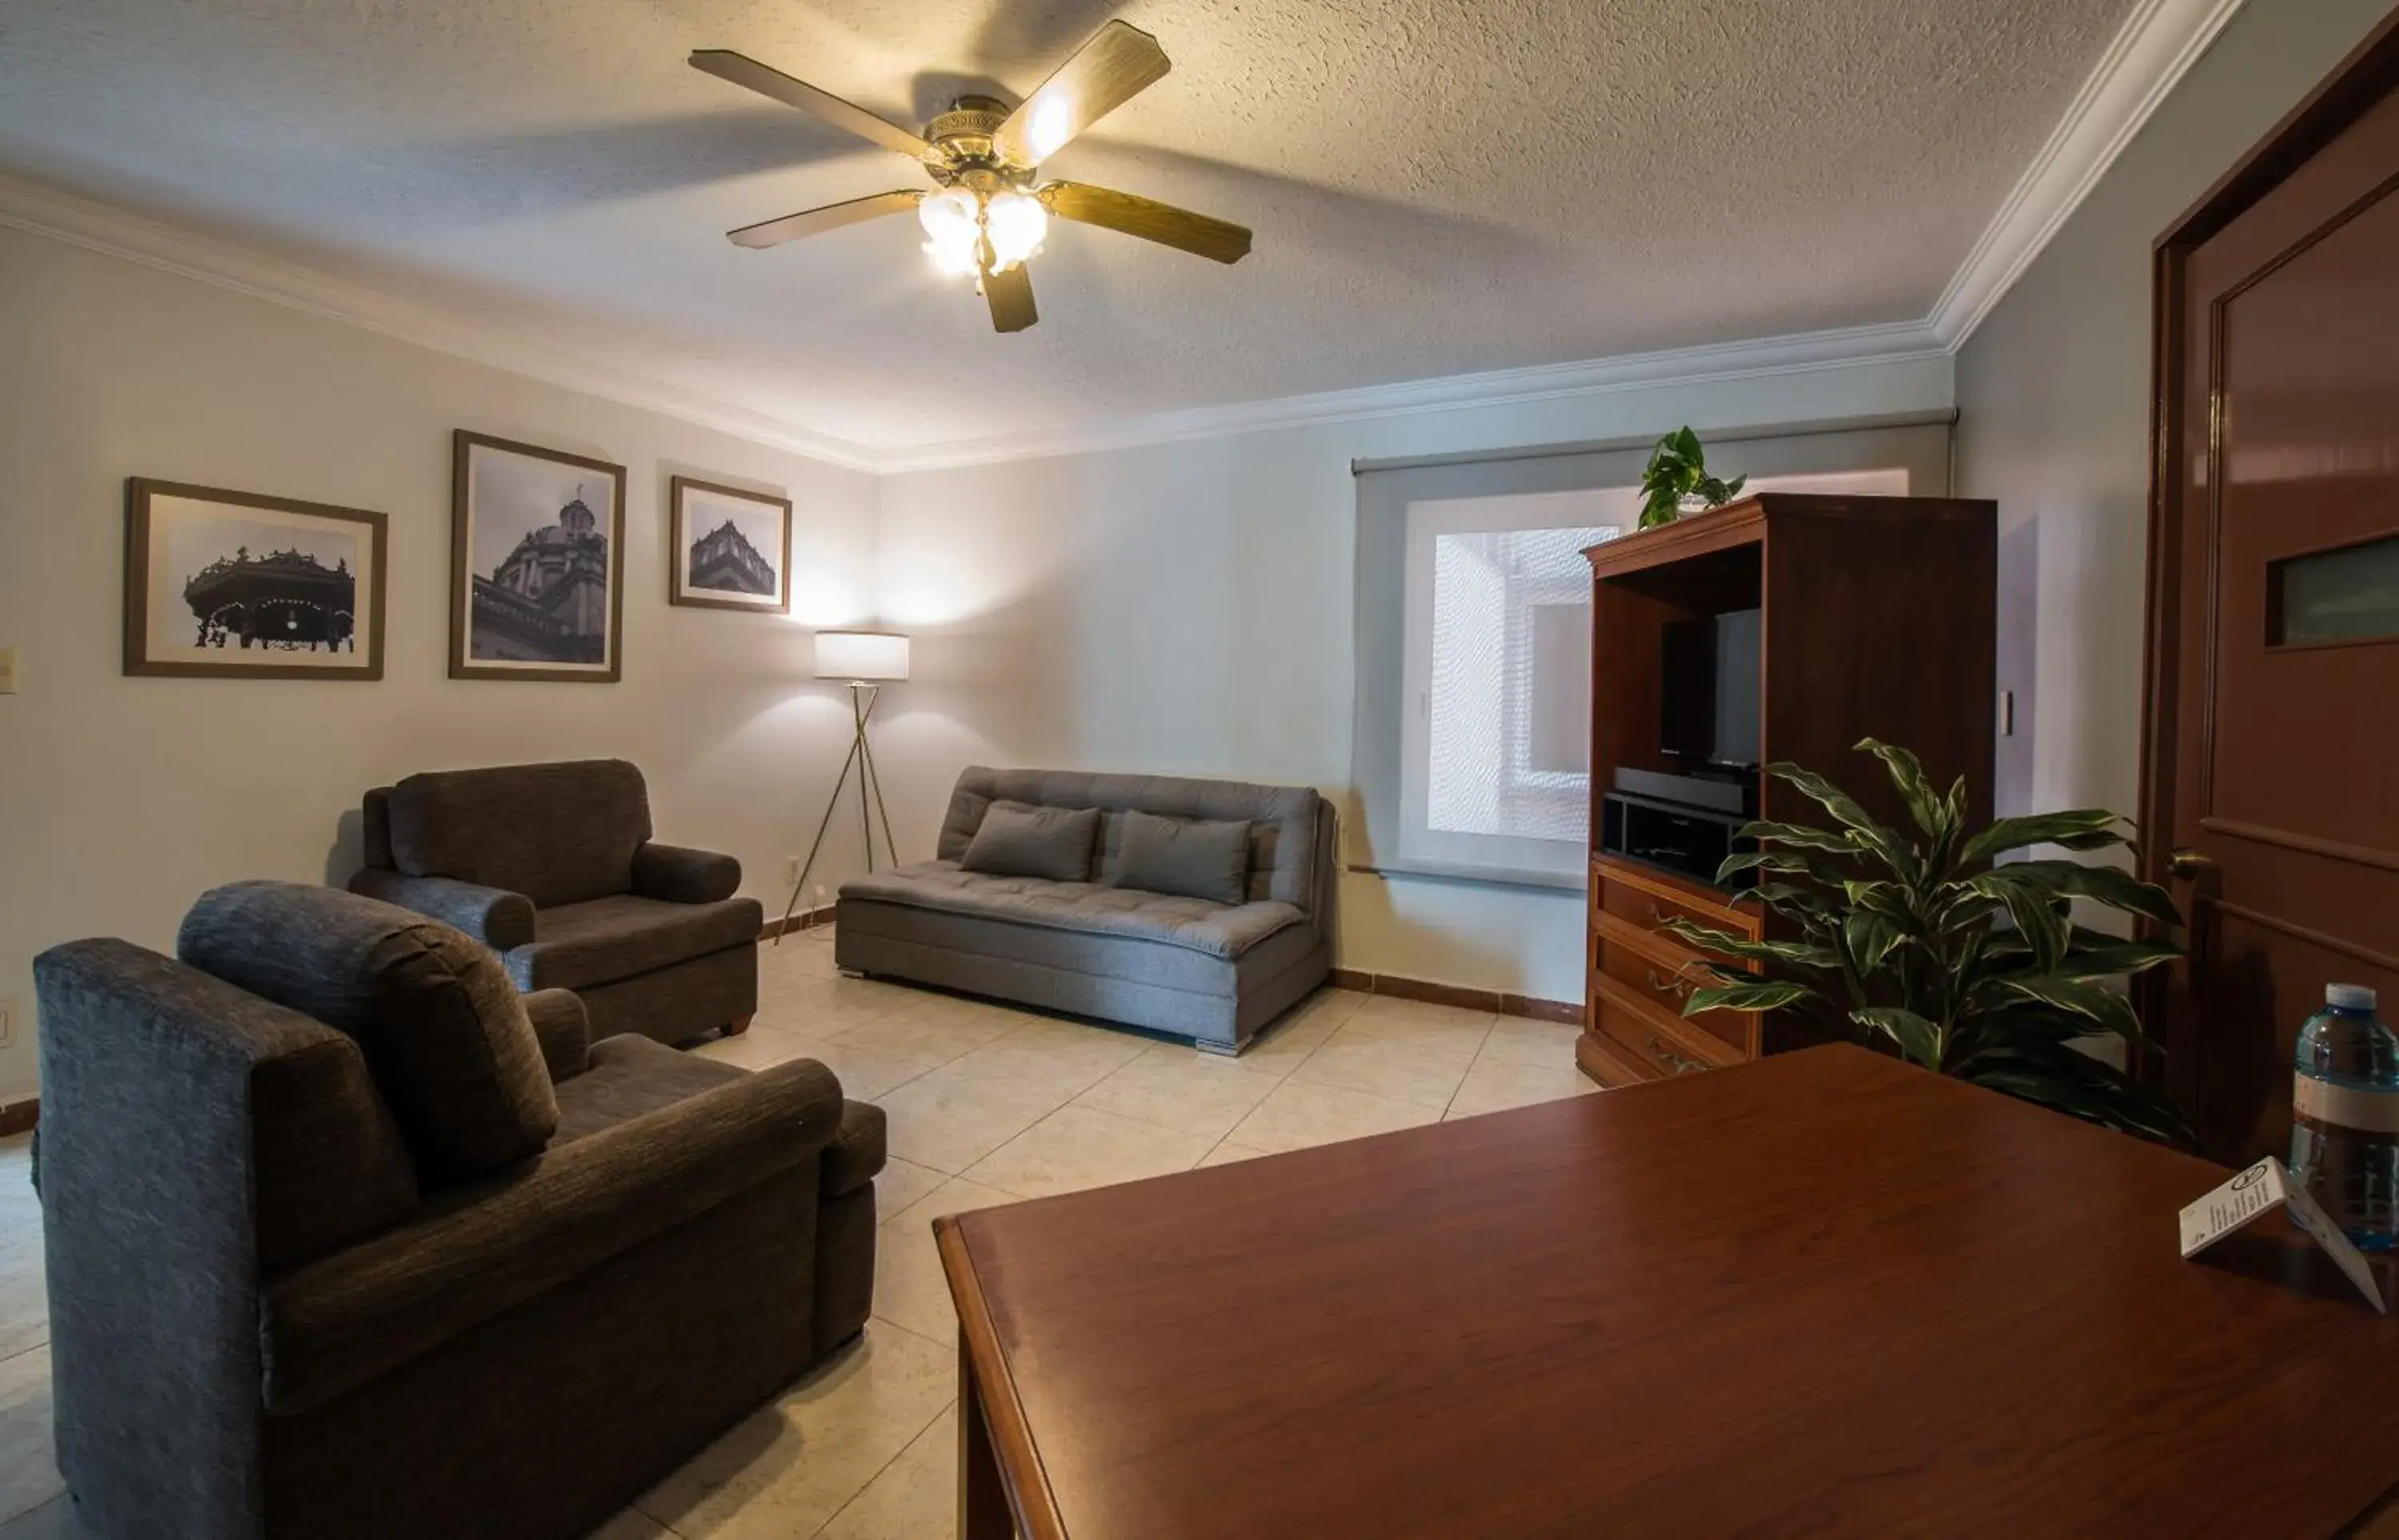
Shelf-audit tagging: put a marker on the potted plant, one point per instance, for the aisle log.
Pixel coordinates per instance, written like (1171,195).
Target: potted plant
(1676,480)
(1900,939)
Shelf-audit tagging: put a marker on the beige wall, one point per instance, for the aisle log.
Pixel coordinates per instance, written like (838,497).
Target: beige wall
(1187,609)
(122,799)
(2053,396)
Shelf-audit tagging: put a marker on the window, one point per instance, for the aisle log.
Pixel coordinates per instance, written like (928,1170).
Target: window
(1472,737)
(1497,764)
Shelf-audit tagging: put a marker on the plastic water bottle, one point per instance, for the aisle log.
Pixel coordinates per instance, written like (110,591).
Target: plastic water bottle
(2345,1116)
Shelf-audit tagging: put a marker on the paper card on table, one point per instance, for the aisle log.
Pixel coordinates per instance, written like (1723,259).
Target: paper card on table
(2261,1189)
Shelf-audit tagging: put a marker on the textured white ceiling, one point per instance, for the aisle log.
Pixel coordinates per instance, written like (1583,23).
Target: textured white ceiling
(1437,187)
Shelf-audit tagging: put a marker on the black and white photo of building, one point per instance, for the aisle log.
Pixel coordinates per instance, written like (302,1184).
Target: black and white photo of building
(733,547)
(233,582)
(542,580)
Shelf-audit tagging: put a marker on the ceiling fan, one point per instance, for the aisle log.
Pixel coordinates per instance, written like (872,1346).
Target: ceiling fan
(989,210)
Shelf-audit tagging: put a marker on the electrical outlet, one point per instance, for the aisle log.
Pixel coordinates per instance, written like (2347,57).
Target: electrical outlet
(8,1023)
(7,670)
(790,872)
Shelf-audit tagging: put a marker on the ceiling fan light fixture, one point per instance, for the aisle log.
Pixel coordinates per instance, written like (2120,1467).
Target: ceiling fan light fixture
(1017,224)
(953,223)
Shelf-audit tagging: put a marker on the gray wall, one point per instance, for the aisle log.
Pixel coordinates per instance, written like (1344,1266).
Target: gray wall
(2052,395)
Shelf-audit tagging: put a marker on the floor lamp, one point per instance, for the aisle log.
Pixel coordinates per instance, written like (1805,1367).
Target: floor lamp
(868,660)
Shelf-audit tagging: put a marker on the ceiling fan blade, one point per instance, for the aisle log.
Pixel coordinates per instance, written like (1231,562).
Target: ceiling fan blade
(1117,64)
(1217,239)
(832,216)
(1011,297)
(743,70)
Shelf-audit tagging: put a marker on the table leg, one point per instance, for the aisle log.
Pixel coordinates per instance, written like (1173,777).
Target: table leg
(982,1499)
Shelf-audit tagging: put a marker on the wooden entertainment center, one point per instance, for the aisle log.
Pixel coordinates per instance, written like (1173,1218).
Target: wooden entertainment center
(1878,618)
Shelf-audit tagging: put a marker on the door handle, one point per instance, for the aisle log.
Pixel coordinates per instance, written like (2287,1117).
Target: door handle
(2189,865)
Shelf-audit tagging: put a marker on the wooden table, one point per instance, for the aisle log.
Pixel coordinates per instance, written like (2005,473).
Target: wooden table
(1821,1294)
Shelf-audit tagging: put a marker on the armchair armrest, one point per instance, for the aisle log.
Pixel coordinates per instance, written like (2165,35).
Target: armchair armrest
(564,1028)
(682,876)
(345,1319)
(494,916)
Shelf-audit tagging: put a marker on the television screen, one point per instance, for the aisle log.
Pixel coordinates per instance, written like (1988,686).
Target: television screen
(1707,693)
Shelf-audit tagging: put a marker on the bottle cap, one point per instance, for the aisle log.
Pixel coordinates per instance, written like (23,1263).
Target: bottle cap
(2348,996)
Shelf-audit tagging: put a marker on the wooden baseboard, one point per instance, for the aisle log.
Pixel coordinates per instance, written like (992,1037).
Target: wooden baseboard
(1465,997)
(806,919)
(17,1118)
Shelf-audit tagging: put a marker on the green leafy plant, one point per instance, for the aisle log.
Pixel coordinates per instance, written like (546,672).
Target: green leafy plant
(1677,468)
(1901,938)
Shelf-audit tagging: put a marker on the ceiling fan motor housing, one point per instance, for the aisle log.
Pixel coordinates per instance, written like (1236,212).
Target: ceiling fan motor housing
(966,156)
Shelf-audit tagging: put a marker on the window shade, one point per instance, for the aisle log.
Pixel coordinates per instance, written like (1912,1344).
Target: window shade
(1470,736)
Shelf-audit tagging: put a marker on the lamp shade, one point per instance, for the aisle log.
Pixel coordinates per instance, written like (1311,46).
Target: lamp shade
(869,657)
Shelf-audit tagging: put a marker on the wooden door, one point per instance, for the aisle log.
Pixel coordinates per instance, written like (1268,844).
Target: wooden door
(2271,787)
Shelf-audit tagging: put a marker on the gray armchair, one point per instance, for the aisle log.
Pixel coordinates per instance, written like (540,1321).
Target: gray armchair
(345,1237)
(552,867)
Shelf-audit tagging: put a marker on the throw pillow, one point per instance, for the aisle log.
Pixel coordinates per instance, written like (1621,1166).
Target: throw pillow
(1018,841)
(1189,857)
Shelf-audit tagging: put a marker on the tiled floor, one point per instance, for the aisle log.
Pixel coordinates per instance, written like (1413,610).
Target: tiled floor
(987,1106)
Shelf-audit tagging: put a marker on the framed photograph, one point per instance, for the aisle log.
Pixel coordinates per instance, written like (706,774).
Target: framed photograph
(536,562)
(231,585)
(731,549)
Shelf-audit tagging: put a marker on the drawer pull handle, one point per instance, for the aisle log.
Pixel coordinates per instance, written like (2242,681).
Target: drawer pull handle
(1675,985)
(1675,1060)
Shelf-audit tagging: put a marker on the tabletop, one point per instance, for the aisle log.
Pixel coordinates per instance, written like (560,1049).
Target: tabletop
(1825,1293)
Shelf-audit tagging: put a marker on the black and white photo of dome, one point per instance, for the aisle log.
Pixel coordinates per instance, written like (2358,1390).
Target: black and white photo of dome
(732,547)
(542,568)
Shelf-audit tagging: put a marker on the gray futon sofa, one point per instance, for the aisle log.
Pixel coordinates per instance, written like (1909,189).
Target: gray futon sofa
(1211,968)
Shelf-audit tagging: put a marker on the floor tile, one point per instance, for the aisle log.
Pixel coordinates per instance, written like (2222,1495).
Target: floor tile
(1495,1085)
(1406,1070)
(949,1120)
(826,1006)
(1183,1088)
(934,1029)
(758,1048)
(25,1303)
(790,1467)
(56,1519)
(1078,1147)
(900,1184)
(1296,1033)
(1063,1057)
(1416,1021)
(1519,1040)
(29,1468)
(1228,1152)
(1297,1115)
(910,1289)
(914,1498)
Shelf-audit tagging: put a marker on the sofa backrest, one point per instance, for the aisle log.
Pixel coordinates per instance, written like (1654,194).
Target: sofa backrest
(1289,825)
(557,833)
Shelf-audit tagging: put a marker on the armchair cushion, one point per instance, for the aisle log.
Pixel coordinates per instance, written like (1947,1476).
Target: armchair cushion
(348,1318)
(682,876)
(557,833)
(443,1029)
(495,917)
(632,1076)
(563,1028)
(855,1156)
(581,946)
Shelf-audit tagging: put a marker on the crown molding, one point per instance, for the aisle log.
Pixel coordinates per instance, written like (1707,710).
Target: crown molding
(1795,353)
(2157,44)
(44,211)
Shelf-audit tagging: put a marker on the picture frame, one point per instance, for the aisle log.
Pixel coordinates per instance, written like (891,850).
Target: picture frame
(198,604)
(536,571)
(728,547)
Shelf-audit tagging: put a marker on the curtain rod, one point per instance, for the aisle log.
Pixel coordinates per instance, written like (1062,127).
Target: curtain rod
(1948,418)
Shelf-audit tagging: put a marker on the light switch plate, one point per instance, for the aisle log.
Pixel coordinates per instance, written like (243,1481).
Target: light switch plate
(7,670)
(7,1022)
